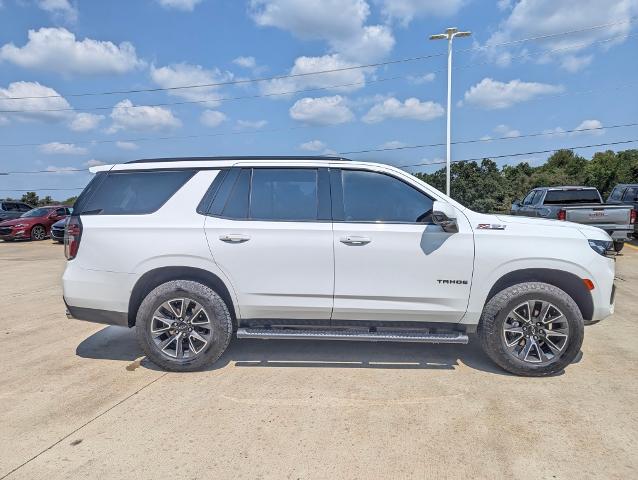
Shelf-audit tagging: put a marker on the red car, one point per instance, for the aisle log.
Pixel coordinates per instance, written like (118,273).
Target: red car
(34,224)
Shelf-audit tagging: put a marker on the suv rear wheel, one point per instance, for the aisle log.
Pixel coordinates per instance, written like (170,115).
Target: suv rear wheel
(183,325)
(531,329)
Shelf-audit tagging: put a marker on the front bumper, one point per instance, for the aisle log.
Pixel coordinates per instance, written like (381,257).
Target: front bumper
(57,235)
(10,233)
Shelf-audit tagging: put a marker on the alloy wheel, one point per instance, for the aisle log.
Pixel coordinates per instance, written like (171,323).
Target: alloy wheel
(181,328)
(38,232)
(536,332)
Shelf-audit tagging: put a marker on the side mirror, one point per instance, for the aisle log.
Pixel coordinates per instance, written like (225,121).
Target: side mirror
(444,215)
(516,203)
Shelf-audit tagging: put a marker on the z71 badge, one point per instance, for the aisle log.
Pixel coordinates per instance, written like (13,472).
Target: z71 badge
(490,226)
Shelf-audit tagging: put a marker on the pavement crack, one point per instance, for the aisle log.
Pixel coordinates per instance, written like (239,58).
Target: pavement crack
(82,426)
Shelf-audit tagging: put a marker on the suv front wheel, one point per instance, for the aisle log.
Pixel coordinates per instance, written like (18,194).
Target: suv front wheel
(531,329)
(183,326)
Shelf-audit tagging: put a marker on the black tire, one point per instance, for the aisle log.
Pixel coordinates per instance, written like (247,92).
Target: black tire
(496,312)
(220,321)
(618,246)
(38,232)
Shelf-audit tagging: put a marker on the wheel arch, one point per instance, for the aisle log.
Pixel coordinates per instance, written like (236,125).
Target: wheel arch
(566,281)
(156,277)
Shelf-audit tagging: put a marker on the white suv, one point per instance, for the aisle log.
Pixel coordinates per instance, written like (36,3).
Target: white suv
(190,251)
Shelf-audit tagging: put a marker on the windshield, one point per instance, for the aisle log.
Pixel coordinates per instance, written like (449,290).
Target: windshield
(555,197)
(36,212)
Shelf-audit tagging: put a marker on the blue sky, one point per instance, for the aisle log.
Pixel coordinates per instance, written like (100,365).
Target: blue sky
(61,48)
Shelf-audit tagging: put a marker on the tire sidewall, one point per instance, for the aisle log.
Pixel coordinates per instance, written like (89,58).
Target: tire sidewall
(216,309)
(34,228)
(491,327)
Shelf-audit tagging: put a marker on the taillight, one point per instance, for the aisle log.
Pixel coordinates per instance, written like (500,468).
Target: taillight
(562,214)
(72,236)
(632,217)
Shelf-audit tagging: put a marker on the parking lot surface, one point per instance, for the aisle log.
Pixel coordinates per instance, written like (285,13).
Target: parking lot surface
(79,400)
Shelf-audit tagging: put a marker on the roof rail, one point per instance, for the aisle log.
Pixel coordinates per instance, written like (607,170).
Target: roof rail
(208,159)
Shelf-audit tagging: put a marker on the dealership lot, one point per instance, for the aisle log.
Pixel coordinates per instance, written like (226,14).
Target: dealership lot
(79,400)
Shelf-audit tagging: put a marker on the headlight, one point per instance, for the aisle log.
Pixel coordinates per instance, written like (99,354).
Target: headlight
(20,225)
(603,247)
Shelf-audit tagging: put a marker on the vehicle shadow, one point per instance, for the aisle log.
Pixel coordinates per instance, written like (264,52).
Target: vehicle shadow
(119,343)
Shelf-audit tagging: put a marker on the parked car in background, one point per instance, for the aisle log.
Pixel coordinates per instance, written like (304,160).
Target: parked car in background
(625,194)
(580,205)
(10,209)
(57,230)
(34,224)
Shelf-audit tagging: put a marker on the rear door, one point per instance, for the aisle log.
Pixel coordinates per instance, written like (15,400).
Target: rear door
(269,230)
(391,262)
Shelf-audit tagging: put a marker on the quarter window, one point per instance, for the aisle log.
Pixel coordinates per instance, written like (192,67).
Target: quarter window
(376,197)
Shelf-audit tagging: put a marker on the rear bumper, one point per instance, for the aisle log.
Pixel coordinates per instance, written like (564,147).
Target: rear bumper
(620,235)
(106,317)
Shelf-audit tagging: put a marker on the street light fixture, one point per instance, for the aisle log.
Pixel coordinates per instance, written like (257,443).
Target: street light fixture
(449,34)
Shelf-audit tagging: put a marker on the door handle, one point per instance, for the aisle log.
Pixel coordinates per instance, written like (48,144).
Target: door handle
(355,240)
(234,238)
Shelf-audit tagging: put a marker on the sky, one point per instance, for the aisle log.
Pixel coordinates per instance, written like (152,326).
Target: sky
(112,81)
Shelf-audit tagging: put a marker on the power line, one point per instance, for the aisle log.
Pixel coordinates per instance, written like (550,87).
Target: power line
(519,154)
(482,140)
(292,92)
(40,189)
(319,72)
(255,132)
(405,147)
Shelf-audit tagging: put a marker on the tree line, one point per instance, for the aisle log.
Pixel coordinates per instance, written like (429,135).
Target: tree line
(33,199)
(484,187)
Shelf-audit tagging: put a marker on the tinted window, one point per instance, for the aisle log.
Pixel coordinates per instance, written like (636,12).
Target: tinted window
(616,193)
(284,194)
(60,212)
(23,207)
(11,207)
(36,212)
(374,197)
(528,198)
(237,204)
(537,197)
(131,192)
(555,197)
(631,195)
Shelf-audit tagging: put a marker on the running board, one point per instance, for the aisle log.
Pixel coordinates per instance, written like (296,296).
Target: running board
(351,335)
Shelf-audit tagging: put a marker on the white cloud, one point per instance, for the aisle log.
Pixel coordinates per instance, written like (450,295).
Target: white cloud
(420,79)
(531,18)
(94,163)
(492,94)
(245,62)
(321,110)
(251,125)
(34,89)
(126,145)
(411,109)
(212,118)
(183,74)
(558,132)
(507,132)
(313,146)
(184,5)
(60,9)
(590,124)
(67,170)
(57,50)
(504,5)
(339,22)
(355,78)
(141,118)
(405,11)
(57,148)
(85,121)
(393,144)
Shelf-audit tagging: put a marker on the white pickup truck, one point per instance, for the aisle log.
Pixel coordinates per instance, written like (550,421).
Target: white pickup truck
(579,205)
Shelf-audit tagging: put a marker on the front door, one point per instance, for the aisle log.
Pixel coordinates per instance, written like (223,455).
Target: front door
(391,262)
(269,230)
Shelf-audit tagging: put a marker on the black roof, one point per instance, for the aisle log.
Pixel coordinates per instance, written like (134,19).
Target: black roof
(208,159)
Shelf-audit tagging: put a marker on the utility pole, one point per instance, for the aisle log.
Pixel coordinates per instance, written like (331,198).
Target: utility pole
(449,34)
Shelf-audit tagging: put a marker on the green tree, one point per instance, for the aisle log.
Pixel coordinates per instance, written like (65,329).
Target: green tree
(31,198)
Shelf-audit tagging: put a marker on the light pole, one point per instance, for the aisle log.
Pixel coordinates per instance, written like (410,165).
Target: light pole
(449,34)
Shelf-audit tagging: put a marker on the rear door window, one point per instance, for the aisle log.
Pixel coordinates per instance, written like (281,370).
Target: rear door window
(284,194)
(631,195)
(131,193)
